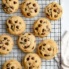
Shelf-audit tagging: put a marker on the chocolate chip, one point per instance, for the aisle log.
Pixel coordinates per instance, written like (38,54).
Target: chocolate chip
(42,33)
(29,63)
(49,49)
(25,9)
(29,34)
(21,38)
(54,5)
(16,21)
(40,21)
(25,40)
(17,27)
(43,30)
(6,43)
(3,48)
(8,65)
(9,21)
(28,14)
(15,2)
(41,53)
(8,68)
(12,67)
(21,42)
(35,10)
(36,28)
(44,44)
(5,38)
(55,16)
(47,14)
(34,5)
(40,47)
(4,5)
(30,67)
(33,48)
(11,7)
(55,10)
(12,27)
(7,49)
(28,59)
(0,46)
(36,61)
(32,58)
(39,25)
(26,47)
(28,3)
(46,55)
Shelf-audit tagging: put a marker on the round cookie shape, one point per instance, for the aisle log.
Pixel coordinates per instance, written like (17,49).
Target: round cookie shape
(53,11)
(30,8)
(47,49)
(6,44)
(42,27)
(12,64)
(26,42)
(32,61)
(10,6)
(15,25)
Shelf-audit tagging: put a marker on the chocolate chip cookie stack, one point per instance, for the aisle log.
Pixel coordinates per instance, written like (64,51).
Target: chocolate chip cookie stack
(42,27)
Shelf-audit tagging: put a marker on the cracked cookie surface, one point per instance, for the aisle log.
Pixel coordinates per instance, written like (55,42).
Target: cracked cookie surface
(42,27)
(26,42)
(6,44)
(15,25)
(12,64)
(30,8)
(10,6)
(32,61)
(47,49)
(53,11)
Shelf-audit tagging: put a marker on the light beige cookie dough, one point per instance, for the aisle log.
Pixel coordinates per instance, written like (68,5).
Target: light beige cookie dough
(15,25)
(6,44)
(32,61)
(42,27)
(10,6)
(26,42)
(53,11)
(12,64)
(47,49)
(30,8)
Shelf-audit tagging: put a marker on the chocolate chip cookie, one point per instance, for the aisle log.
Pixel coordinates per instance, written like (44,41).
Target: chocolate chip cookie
(6,44)
(15,25)
(42,27)
(32,61)
(47,49)
(30,8)
(53,11)
(12,64)
(26,42)
(10,6)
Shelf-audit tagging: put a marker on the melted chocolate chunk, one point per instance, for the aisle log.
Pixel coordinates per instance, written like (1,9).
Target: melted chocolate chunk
(30,67)
(15,2)
(6,43)
(49,49)
(44,44)
(34,5)
(16,21)
(28,14)
(32,58)
(9,21)
(39,25)
(35,10)
(25,40)
(36,28)
(40,21)
(28,59)
(0,46)
(5,38)
(17,27)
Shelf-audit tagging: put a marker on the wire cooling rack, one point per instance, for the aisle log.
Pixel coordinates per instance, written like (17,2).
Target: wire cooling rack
(55,34)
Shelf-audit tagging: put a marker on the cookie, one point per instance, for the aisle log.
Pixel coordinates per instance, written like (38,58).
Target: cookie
(12,64)
(47,49)
(6,44)
(26,42)
(32,61)
(30,8)
(10,6)
(42,27)
(15,25)
(53,11)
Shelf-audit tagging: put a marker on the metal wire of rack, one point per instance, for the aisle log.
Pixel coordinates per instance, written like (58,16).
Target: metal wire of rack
(55,34)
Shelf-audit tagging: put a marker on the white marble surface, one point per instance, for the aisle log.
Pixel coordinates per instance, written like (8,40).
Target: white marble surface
(65,17)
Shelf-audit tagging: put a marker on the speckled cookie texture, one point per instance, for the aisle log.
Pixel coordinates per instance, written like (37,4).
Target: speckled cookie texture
(30,8)
(12,64)
(26,42)
(53,11)
(47,49)
(10,6)
(15,25)
(32,61)
(6,44)
(42,27)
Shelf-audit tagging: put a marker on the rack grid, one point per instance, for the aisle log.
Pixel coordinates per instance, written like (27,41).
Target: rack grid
(55,34)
